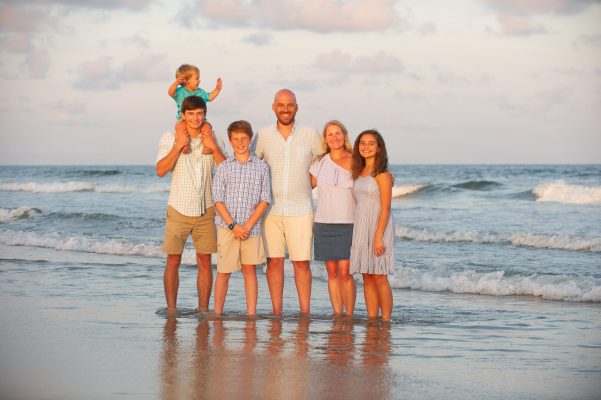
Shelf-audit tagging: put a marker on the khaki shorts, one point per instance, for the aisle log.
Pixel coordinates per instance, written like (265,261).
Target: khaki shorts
(294,232)
(232,253)
(179,227)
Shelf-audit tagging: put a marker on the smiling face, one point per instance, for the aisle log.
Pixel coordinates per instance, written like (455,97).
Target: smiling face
(285,107)
(193,118)
(368,146)
(334,137)
(192,82)
(240,142)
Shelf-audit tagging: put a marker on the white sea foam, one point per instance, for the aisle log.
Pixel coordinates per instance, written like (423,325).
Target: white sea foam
(86,245)
(76,186)
(518,239)
(562,192)
(9,214)
(404,190)
(550,287)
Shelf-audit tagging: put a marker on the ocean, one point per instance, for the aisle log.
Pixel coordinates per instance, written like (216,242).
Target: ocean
(497,293)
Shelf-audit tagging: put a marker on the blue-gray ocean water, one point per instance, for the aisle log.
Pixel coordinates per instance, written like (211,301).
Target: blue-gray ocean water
(496,265)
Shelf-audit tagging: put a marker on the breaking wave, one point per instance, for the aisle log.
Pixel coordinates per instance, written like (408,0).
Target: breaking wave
(76,186)
(562,192)
(551,287)
(10,214)
(519,239)
(404,190)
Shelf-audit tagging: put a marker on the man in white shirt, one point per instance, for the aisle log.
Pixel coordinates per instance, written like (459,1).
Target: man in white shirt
(190,208)
(289,149)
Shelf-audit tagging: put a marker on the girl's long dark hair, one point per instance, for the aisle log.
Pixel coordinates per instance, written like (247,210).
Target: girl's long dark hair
(381,162)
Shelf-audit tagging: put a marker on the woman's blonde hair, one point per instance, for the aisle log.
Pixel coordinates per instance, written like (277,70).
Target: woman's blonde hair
(347,142)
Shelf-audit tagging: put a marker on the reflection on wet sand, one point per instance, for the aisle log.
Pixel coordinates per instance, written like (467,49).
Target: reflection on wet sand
(296,358)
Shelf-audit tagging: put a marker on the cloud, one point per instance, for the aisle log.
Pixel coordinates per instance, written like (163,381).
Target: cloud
(99,75)
(145,67)
(16,18)
(515,17)
(589,40)
(519,26)
(16,43)
(379,63)
(311,15)
(138,40)
(259,39)
(36,63)
(537,7)
(133,5)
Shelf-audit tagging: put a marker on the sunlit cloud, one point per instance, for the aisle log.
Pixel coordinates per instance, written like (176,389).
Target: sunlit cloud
(100,75)
(537,7)
(311,15)
(379,63)
(519,26)
(134,5)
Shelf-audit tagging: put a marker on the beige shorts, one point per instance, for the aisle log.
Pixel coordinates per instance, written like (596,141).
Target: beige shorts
(232,253)
(179,227)
(294,232)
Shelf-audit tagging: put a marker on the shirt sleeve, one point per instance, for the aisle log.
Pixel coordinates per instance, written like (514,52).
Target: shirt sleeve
(265,184)
(255,147)
(203,95)
(165,145)
(218,188)
(316,144)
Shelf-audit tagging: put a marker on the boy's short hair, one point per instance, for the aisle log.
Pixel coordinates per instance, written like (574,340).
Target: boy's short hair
(193,103)
(187,70)
(239,126)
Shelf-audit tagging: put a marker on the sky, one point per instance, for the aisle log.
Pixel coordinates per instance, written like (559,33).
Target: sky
(461,82)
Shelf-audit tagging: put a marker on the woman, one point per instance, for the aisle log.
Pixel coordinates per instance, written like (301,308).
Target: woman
(333,228)
(372,251)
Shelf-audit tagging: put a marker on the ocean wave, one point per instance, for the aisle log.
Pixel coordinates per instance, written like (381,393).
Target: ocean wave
(404,190)
(518,239)
(10,214)
(87,245)
(562,192)
(75,186)
(477,185)
(549,287)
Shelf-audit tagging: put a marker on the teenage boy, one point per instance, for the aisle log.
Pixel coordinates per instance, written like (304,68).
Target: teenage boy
(190,208)
(241,193)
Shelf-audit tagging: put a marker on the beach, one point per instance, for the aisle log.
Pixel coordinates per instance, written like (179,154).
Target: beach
(497,294)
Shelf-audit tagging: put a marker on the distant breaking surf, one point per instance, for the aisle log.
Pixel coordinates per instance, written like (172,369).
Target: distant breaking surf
(562,192)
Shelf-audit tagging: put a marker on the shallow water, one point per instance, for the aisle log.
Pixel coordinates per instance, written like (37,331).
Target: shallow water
(497,294)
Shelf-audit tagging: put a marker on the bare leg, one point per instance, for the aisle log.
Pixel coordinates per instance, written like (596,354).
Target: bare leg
(370,291)
(275,281)
(250,288)
(347,287)
(303,279)
(221,285)
(204,280)
(334,288)
(384,296)
(171,280)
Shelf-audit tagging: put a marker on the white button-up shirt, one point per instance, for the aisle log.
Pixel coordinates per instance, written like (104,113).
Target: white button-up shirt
(289,160)
(191,177)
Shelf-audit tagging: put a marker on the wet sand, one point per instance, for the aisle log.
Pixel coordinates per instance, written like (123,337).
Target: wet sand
(92,330)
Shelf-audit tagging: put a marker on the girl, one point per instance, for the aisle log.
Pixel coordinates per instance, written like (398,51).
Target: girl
(333,229)
(372,251)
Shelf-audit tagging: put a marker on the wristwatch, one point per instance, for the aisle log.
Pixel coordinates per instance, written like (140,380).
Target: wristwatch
(231,226)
